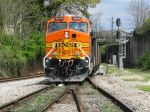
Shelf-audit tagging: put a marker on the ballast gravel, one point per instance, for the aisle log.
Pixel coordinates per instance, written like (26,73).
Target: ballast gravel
(10,91)
(136,99)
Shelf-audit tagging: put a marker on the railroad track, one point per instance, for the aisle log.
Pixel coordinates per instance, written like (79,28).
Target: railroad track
(77,98)
(81,105)
(21,78)
(114,99)
(7,107)
(21,101)
(60,98)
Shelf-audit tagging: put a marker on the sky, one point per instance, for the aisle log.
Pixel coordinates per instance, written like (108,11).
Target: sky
(116,9)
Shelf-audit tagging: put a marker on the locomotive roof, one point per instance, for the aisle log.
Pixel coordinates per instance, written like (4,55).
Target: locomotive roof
(68,18)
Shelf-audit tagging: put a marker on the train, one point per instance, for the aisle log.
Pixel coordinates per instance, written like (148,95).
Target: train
(68,50)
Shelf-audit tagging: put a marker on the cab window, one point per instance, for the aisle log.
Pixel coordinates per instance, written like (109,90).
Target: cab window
(56,26)
(80,26)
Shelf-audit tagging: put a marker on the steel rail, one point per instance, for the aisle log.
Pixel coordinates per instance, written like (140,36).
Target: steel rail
(7,106)
(56,100)
(115,100)
(77,100)
(21,78)
(61,97)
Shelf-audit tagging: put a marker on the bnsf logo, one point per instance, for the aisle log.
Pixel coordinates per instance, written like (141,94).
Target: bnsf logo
(67,44)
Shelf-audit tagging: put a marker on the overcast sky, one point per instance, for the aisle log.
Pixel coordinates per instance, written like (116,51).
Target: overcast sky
(116,9)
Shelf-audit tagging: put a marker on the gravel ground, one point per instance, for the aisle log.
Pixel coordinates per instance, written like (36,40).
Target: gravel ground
(10,91)
(138,100)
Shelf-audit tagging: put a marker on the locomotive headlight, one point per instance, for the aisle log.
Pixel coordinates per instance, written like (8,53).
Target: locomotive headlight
(47,60)
(66,34)
(83,58)
(86,61)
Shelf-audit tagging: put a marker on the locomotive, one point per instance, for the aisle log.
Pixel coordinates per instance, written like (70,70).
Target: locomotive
(68,49)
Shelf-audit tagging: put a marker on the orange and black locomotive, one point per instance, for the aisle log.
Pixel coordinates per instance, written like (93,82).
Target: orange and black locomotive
(68,49)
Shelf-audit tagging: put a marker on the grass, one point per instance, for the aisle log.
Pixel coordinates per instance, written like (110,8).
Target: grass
(137,77)
(138,70)
(111,69)
(133,77)
(133,70)
(144,88)
(132,74)
(35,104)
(146,78)
(109,107)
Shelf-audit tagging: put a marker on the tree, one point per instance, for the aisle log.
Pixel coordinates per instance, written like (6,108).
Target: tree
(1,23)
(21,17)
(22,23)
(92,3)
(147,26)
(11,12)
(139,10)
(33,19)
(97,24)
(75,7)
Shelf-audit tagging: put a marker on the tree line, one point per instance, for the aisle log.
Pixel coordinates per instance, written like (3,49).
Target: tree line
(140,12)
(22,29)
(21,17)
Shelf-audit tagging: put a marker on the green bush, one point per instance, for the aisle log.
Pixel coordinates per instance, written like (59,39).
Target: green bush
(17,52)
(144,61)
(103,49)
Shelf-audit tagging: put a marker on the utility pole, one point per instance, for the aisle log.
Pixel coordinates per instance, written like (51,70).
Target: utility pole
(122,45)
(111,47)
(112,27)
(112,24)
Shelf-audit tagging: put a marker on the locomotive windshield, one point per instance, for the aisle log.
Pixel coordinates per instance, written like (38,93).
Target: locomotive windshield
(83,27)
(56,26)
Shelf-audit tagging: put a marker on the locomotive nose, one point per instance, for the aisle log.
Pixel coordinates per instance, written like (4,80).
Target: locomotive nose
(68,49)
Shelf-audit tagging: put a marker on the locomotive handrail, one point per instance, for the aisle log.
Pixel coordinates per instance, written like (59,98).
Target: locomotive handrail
(48,54)
(54,48)
(86,56)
